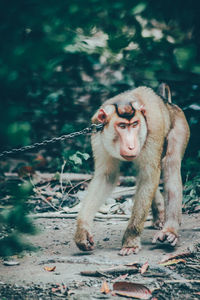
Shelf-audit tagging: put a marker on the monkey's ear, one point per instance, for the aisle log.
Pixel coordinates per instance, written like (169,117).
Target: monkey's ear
(102,116)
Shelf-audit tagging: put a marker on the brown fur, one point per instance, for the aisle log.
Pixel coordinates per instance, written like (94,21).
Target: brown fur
(162,137)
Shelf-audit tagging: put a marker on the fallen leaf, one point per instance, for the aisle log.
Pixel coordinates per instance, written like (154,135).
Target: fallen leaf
(130,289)
(177,255)
(173,262)
(144,268)
(105,288)
(56,289)
(49,199)
(61,288)
(25,171)
(50,269)
(39,161)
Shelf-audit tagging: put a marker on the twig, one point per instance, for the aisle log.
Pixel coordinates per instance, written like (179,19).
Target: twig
(73,187)
(66,176)
(49,203)
(186,253)
(155,267)
(44,199)
(123,191)
(61,176)
(59,215)
(183,281)
(31,181)
(194,267)
(118,270)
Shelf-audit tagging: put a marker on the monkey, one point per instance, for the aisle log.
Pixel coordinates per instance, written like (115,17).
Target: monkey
(142,127)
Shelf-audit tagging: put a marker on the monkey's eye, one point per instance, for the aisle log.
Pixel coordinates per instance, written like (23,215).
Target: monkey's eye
(135,123)
(122,125)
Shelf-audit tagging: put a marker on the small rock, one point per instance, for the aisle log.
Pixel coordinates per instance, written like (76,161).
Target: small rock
(106,239)
(56,228)
(11,263)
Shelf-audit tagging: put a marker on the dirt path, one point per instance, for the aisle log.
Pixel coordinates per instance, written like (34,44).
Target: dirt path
(56,248)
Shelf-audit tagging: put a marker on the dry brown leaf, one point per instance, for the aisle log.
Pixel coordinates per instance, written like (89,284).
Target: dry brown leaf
(56,289)
(173,262)
(176,256)
(40,161)
(25,171)
(130,289)
(61,288)
(144,268)
(105,288)
(49,198)
(50,269)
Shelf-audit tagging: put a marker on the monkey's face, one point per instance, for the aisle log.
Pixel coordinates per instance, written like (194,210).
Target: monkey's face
(123,137)
(127,132)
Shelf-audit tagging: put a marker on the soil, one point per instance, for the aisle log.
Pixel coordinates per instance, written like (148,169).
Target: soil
(29,279)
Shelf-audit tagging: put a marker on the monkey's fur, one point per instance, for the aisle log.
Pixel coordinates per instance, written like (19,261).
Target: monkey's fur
(162,135)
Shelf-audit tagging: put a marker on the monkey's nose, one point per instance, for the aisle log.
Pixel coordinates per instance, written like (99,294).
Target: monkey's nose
(131,147)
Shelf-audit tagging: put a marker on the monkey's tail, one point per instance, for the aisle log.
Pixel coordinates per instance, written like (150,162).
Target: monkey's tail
(164,91)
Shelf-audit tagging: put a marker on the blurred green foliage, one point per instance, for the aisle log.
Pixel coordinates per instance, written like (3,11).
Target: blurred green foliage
(14,222)
(59,60)
(191,192)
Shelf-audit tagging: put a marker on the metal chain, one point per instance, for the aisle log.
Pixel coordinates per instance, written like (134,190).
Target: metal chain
(93,128)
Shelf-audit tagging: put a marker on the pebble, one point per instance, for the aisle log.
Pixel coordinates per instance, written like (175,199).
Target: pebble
(11,263)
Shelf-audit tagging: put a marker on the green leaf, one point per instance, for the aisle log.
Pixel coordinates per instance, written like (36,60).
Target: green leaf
(196,69)
(185,55)
(86,156)
(75,159)
(18,133)
(139,8)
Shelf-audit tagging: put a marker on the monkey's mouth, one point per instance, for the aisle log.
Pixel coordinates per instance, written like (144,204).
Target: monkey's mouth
(129,157)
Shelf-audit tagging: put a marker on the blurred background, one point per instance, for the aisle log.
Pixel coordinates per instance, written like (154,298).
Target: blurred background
(59,60)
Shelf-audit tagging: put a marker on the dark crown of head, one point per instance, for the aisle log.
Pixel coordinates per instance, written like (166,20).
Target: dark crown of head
(126,110)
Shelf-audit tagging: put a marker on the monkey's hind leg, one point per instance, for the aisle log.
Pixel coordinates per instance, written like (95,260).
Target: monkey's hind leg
(177,141)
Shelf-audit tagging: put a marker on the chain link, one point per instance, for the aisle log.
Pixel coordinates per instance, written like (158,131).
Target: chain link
(93,128)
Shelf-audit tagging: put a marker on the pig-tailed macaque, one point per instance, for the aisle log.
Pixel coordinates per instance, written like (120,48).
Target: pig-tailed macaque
(142,127)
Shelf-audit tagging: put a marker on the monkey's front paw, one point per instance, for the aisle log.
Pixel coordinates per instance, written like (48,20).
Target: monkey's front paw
(84,240)
(130,245)
(127,251)
(167,234)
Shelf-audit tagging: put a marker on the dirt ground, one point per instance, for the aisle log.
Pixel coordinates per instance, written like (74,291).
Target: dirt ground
(56,249)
